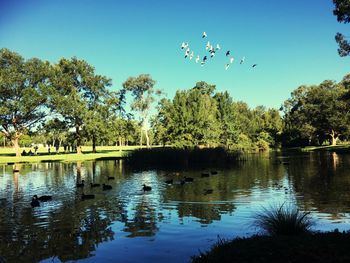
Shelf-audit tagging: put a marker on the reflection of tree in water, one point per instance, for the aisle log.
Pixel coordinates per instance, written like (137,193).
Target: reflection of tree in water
(323,182)
(206,213)
(71,231)
(227,186)
(69,234)
(144,221)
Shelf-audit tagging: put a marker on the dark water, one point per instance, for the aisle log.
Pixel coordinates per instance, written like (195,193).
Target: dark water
(171,222)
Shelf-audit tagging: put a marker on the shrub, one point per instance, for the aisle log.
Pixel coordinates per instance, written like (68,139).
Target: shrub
(283,220)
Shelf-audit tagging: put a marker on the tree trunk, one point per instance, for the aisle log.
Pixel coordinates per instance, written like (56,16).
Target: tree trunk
(120,143)
(334,137)
(15,142)
(94,144)
(77,134)
(141,137)
(147,138)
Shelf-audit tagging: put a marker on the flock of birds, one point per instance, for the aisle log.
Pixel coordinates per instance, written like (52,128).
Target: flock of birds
(212,50)
(36,200)
(186,179)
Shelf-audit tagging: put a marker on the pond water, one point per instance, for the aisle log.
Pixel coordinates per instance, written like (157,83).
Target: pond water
(170,223)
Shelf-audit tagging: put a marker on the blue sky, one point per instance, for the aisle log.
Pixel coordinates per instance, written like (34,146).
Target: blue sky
(291,41)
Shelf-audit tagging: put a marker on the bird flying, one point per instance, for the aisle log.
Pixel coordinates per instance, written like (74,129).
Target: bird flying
(231,59)
(254,65)
(197,59)
(204,35)
(242,60)
(227,66)
(227,53)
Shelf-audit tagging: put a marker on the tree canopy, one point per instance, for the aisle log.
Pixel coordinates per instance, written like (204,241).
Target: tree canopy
(342,11)
(23,94)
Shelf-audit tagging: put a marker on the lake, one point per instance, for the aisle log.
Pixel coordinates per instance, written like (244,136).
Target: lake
(171,222)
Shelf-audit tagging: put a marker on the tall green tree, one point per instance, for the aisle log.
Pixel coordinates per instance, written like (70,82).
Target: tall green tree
(23,93)
(318,112)
(227,118)
(77,94)
(144,94)
(342,11)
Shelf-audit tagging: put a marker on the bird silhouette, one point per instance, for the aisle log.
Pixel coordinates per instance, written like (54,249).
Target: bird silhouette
(146,188)
(35,201)
(204,35)
(106,187)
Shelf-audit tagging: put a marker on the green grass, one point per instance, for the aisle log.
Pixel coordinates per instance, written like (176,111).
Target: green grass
(7,155)
(283,220)
(312,247)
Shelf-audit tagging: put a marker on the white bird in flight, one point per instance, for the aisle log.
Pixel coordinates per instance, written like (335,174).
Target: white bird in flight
(204,34)
(187,53)
(191,55)
(227,66)
(207,46)
(184,45)
(197,59)
(231,59)
(218,47)
(242,60)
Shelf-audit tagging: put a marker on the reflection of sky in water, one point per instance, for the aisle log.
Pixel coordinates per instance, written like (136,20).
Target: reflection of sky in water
(171,222)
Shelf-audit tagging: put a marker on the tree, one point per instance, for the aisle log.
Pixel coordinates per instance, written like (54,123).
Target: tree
(23,93)
(227,118)
(56,131)
(318,112)
(342,11)
(190,119)
(77,93)
(143,91)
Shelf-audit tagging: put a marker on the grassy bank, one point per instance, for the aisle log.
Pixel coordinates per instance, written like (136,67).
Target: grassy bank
(344,148)
(313,247)
(7,155)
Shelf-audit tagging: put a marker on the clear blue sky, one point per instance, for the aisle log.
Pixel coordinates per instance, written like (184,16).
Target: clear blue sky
(291,41)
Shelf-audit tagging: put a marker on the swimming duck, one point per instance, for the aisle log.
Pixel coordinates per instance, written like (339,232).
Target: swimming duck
(146,188)
(88,196)
(35,201)
(106,187)
(81,184)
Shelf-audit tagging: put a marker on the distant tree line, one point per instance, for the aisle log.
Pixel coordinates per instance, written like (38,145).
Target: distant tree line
(67,103)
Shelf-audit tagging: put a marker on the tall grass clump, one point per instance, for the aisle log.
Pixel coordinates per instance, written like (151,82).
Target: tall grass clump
(182,158)
(283,219)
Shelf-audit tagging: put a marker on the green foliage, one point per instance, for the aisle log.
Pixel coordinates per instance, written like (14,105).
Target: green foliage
(342,11)
(23,94)
(79,95)
(143,92)
(283,220)
(201,117)
(316,113)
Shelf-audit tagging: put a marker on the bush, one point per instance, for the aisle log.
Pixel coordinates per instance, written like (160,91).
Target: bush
(182,158)
(283,220)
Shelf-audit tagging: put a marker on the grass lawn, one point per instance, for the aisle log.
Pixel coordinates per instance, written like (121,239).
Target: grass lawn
(335,148)
(7,155)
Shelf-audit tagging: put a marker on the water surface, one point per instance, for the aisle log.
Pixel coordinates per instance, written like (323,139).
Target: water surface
(171,222)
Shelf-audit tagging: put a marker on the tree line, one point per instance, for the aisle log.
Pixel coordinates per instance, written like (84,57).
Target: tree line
(67,103)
